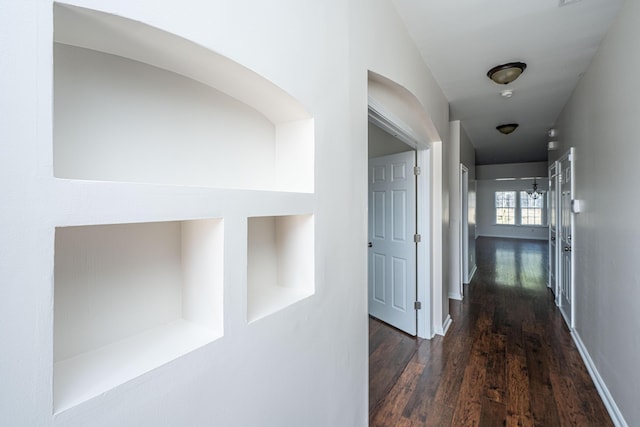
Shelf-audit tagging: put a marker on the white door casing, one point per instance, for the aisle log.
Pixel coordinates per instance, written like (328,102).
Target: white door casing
(392,252)
(565,266)
(464,227)
(553,230)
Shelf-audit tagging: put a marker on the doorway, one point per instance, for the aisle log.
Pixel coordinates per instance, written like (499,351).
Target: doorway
(392,278)
(404,140)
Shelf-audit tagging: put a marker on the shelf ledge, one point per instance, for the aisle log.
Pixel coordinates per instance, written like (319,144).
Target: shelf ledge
(93,373)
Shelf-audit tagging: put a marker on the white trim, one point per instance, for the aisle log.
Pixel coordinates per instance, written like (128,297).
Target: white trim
(464,227)
(473,272)
(553,177)
(437,284)
(572,159)
(456,296)
(605,395)
(513,237)
(570,317)
(445,326)
(423,203)
(495,224)
(382,118)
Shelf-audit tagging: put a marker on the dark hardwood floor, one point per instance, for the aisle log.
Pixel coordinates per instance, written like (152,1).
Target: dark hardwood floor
(507,360)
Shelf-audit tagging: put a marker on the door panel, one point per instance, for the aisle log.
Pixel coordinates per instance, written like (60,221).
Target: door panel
(399,220)
(379,285)
(400,284)
(392,252)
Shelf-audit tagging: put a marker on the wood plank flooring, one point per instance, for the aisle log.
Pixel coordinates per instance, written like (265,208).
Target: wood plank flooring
(507,360)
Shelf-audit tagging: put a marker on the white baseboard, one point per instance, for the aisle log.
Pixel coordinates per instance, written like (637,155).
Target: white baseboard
(607,399)
(445,326)
(513,237)
(455,296)
(473,273)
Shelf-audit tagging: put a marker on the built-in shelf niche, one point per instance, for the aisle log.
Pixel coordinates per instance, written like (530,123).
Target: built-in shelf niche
(280,263)
(133,103)
(129,298)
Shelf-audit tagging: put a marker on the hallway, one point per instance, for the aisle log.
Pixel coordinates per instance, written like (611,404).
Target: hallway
(508,358)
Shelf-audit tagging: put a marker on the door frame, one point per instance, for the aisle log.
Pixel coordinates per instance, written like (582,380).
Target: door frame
(569,155)
(554,235)
(379,116)
(464,227)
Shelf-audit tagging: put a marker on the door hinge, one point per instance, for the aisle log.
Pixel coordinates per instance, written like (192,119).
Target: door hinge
(417,238)
(417,305)
(416,170)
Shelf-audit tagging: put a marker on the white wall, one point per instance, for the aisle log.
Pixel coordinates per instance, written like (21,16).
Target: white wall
(600,121)
(305,365)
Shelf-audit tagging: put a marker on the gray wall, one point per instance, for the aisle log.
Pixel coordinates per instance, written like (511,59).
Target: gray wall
(468,158)
(512,170)
(601,122)
(467,153)
(459,150)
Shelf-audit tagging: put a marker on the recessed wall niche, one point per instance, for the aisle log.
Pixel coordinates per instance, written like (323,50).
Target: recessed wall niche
(133,103)
(129,298)
(280,263)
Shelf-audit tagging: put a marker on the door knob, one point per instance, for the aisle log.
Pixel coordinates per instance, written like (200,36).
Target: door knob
(370,244)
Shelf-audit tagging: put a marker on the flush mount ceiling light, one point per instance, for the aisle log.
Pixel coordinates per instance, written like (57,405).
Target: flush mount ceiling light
(507,128)
(506,73)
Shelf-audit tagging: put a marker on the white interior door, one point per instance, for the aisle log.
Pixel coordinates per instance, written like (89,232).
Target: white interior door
(566,236)
(392,249)
(553,229)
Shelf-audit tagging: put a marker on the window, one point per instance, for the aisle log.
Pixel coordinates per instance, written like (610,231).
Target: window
(505,207)
(517,208)
(531,209)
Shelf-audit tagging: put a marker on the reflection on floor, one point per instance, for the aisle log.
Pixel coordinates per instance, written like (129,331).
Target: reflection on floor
(508,358)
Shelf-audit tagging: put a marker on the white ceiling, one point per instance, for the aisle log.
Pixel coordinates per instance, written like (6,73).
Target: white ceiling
(460,40)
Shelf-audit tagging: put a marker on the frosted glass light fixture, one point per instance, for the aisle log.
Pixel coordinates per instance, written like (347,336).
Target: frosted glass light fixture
(507,128)
(506,73)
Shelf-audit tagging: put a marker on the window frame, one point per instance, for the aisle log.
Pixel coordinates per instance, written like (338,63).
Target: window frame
(505,207)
